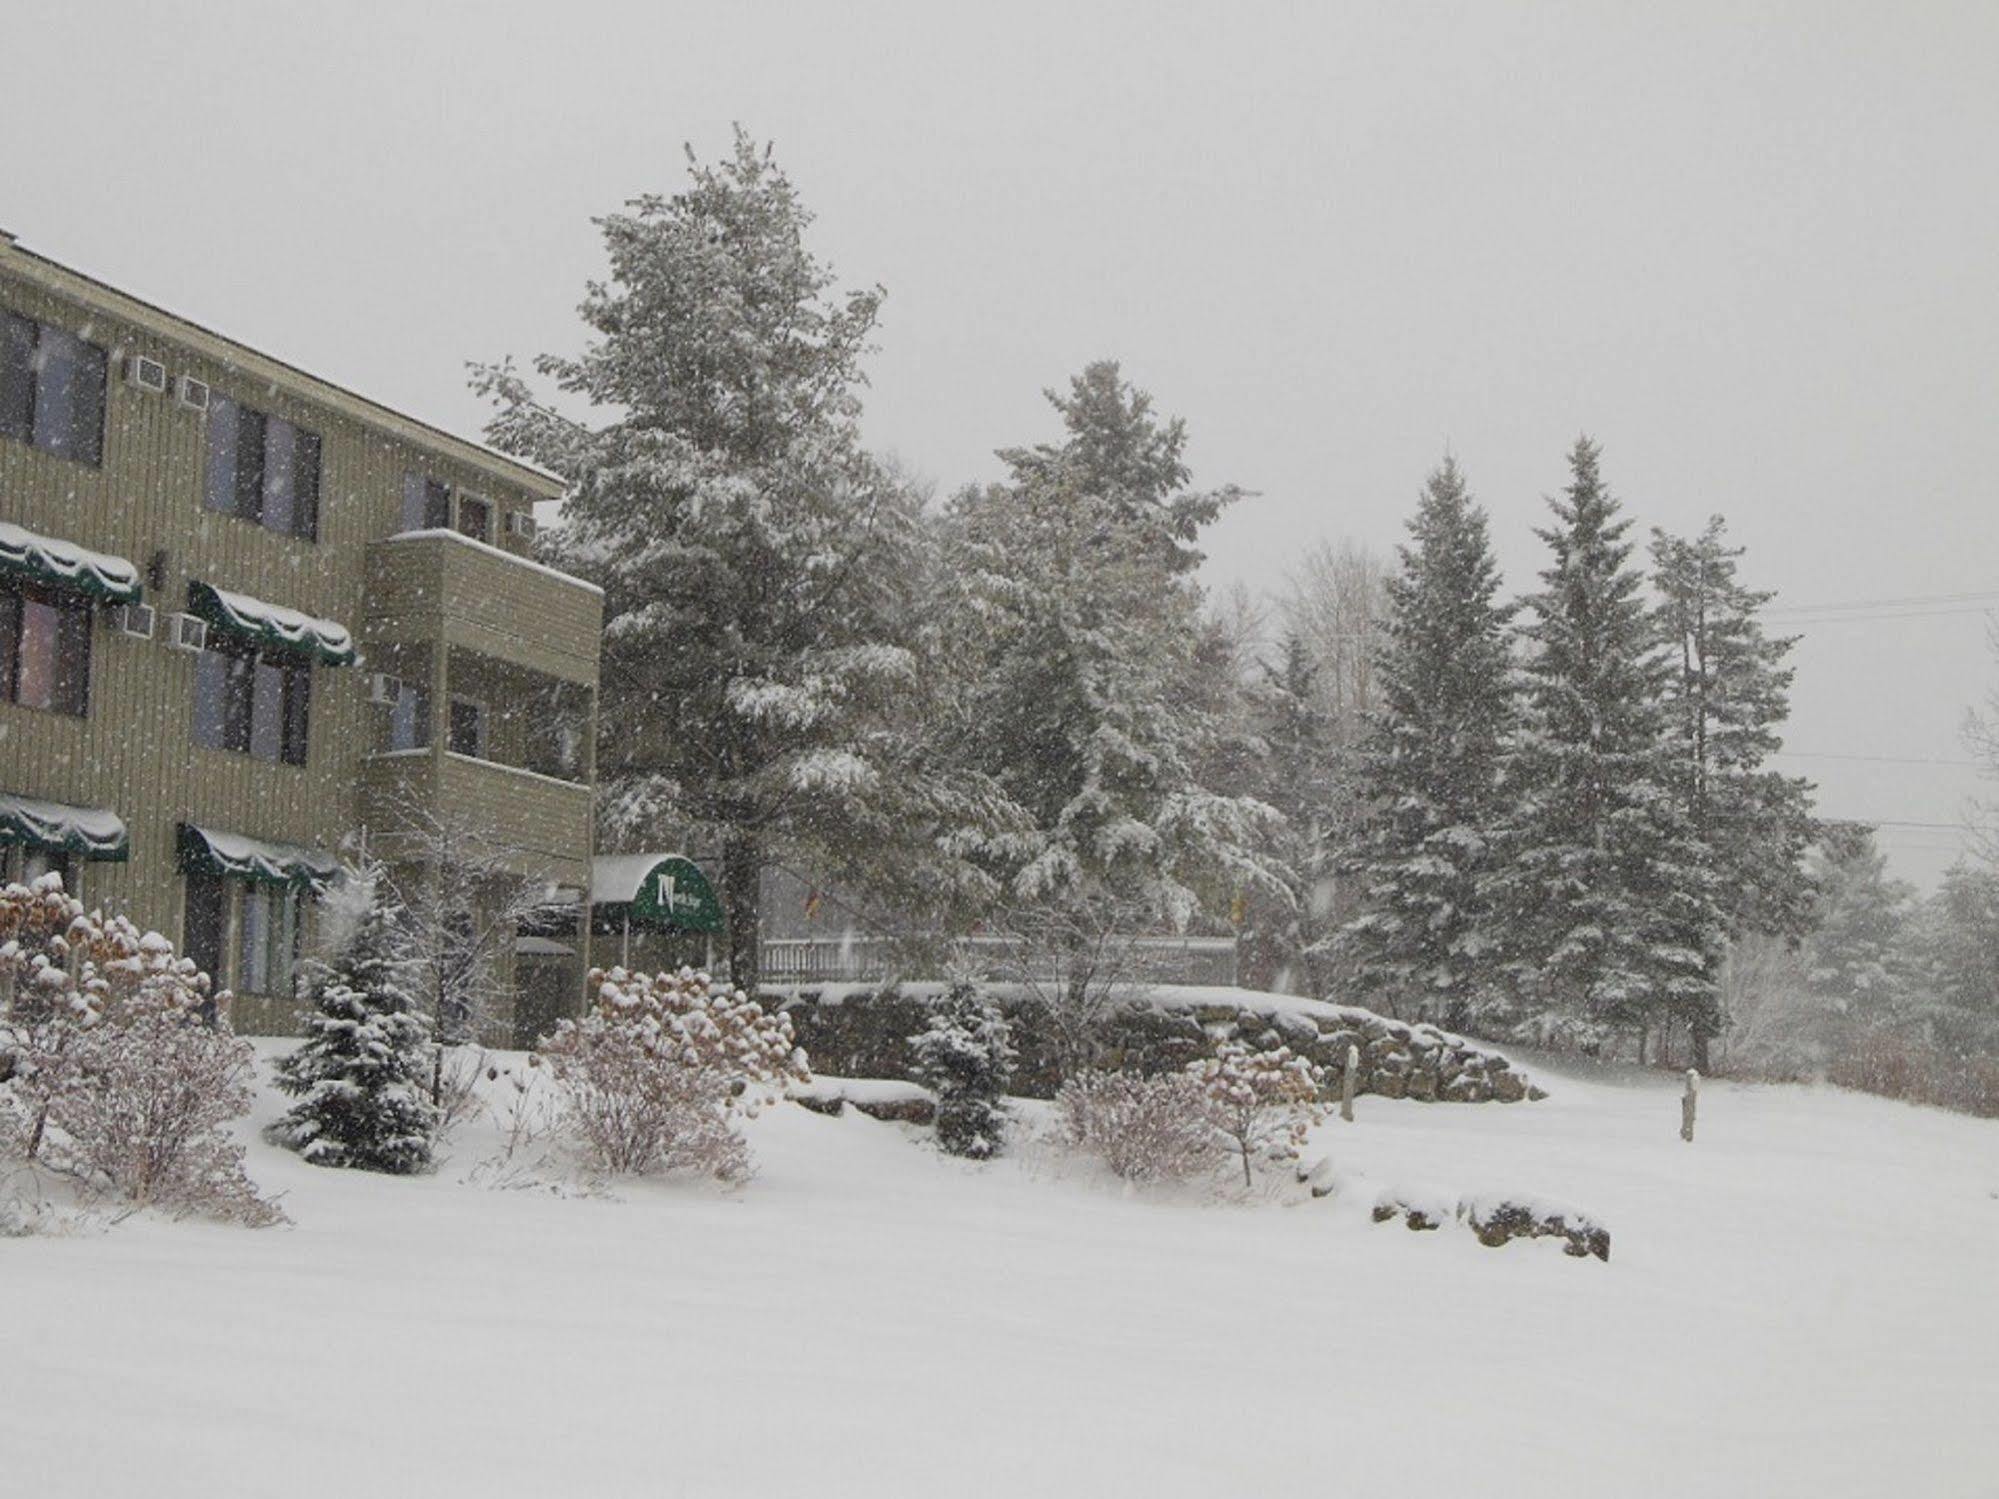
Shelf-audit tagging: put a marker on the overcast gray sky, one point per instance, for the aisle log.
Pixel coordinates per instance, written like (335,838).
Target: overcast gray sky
(1753,249)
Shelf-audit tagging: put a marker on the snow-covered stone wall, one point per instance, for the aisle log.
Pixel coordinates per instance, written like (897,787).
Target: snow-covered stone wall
(859,1031)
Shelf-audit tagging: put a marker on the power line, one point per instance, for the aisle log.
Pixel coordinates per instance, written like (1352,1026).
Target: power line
(1879,759)
(1906,600)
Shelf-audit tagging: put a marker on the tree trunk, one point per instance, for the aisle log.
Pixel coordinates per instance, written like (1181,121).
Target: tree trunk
(1699,1060)
(742,892)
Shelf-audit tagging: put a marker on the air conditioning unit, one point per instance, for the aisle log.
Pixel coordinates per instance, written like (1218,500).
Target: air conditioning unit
(192,393)
(187,633)
(521,523)
(148,374)
(135,620)
(383,689)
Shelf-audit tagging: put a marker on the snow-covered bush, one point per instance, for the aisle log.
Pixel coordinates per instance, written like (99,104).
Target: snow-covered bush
(655,1077)
(361,1074)
(965,1057)
(116,1074)
(1260,1102)
(1145,1129)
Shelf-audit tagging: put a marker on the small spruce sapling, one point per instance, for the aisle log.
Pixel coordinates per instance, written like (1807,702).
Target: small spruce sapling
(360,1075)
(966,1057)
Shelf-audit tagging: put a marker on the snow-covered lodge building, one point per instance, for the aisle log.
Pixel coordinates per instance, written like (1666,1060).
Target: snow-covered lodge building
(244,613)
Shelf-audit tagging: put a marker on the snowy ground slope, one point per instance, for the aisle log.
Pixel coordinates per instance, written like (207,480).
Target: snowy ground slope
(1804,1302)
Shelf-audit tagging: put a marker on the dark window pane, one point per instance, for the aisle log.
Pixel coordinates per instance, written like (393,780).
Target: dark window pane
(436,505)
(69,395)
(211,699)
(220,493)
(298,713)
(475,518)
(280,453)
(17,377)
(72,683)
(249,463)
(36,666)
(206,920)
(10,643)
(305,487)
(237,702)
(267,709)
(468,728)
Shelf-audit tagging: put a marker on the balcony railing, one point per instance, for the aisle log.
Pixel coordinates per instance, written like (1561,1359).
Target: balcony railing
(440,587)
(540,824)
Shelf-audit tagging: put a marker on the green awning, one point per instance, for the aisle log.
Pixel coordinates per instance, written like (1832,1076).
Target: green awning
(666,891)
(271,626)
(66,566)
(58,828)
(233,856)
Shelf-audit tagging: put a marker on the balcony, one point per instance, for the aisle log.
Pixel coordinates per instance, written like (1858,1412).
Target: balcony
(440,588)
(539,825)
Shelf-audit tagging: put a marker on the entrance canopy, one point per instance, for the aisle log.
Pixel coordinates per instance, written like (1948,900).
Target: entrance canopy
(667,892)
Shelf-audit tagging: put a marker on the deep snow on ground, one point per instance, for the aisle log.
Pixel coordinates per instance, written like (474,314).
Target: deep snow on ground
(1805,1301)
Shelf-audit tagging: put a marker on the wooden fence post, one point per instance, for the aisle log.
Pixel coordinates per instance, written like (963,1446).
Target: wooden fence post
(1688,1100)
(1347,1080)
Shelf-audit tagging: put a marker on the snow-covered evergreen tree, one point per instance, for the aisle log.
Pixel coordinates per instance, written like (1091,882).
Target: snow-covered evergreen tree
(1855,959)
(965,1056)
(361,1075)
(758,564)
(1727,697)
(1431,768)
(1954,943)
(1081,619)
(1603,890)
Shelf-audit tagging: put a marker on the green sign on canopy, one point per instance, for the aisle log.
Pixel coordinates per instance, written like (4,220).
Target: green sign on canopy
(676,893)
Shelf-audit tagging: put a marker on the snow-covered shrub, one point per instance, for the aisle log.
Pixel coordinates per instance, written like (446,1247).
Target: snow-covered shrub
(1260,1102)
(965,1057)
(361,1075)
(657,1074)
(1145,1129)
(116,1075)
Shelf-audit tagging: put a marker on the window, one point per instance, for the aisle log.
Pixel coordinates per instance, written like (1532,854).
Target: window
(467,734)
(475,517)
(51,389)
(250,703)
(44,650)
(409,719)
(426,503)
(262,468)
(257,952)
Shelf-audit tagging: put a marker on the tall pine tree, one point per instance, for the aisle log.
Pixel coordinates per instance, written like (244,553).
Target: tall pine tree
(362,1072)
(1431,768)
(1605,892)
(761,570)
(1078,649)
(1727,697)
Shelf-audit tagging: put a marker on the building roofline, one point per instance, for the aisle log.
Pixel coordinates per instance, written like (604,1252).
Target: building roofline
(55,276)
